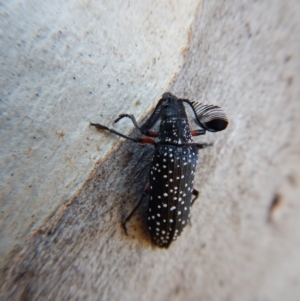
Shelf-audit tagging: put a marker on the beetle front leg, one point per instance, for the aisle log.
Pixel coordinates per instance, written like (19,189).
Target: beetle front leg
(137,140)
(147,133)
(102,127)
(130,116)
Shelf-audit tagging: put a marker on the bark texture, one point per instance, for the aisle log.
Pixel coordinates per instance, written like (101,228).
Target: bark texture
(244,240)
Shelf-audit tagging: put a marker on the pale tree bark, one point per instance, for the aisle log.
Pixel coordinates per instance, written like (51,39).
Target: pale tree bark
(244,239)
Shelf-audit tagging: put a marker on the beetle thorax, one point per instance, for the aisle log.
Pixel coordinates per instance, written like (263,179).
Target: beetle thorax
(174,131)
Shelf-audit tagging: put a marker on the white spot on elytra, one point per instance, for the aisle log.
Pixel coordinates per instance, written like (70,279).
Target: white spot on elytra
(165,194)
(171,221)
(172,208)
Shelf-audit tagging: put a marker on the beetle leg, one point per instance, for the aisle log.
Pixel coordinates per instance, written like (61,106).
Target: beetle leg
(198,132)
(196,194)
(102,127)
(203,145)
(147,133)
(146,140)
(199,145)
(137,140)
(127,219)
(121,116)
(151,134)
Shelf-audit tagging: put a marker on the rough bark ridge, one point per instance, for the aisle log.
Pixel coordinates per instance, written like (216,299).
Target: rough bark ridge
(244,240)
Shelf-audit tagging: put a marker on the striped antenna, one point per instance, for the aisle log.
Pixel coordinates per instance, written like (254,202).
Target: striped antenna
(211,117)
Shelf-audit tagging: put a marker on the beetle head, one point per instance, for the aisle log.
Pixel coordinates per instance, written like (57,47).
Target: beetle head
(172,107)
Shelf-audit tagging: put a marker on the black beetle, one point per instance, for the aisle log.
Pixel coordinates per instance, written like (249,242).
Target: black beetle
(173,164)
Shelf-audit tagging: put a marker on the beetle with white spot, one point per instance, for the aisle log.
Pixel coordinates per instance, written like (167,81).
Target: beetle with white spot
(171,191)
